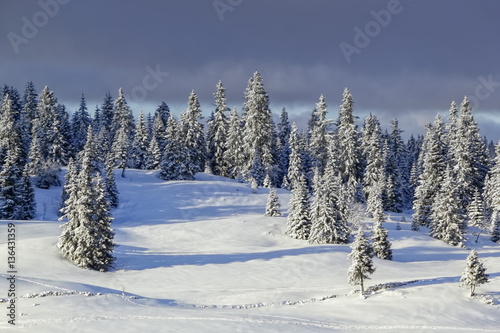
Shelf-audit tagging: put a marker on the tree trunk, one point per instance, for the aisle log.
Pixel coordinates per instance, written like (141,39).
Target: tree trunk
(362,286)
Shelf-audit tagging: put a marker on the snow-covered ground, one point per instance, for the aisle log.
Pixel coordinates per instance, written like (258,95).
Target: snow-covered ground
(199,256)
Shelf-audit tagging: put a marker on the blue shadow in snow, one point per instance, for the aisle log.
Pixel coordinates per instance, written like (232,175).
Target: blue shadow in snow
(133,258)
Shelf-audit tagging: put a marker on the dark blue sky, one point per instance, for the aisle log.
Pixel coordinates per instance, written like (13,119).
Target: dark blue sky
(405,59)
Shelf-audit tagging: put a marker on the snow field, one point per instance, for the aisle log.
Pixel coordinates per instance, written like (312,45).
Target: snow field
(199,256)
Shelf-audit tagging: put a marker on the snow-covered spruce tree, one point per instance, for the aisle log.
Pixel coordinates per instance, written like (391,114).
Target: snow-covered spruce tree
(273,204)
(295,166)
(476,214)
(153,155)
(159,127)
(107,113)
(30,103)
(258,131)
(347,143)
(298,221)
(122,132)
(234,156)
(69,183)
(474,274)
(218,126)
(138,151)
(174,163)
(492,196)
(257,172)
(112,193)
(87,238)
(381,243)
(284,130)
(396,169)
(432,176)
(318,137)
(467,153)
(329,224)
(446,213)
(374,176)
(44,164)
(413,147)
(25,198)
(361,261)
(191,135)
(80,122)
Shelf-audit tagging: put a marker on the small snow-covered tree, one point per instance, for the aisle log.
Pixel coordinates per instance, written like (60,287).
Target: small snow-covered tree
(299,222)
(381,243)
(273,204)
(361,261)
(474,274)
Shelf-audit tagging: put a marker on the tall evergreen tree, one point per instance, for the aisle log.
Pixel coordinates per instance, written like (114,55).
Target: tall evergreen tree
(397,172)
(159,128)
(258,132)
(295,167)
(25,208)
(492,196)
(107,113)
(446,215)
(193,137)
(112,193)
(298,221)
(361,261)
(432,176)
(476,214)
(87,237)
(218,126)
(79,125)
(138,151)
(234,155)
(284,130)
(347,142)
(319,137)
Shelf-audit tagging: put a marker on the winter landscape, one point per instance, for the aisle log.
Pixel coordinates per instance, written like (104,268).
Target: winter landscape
(249,166)
(116,223)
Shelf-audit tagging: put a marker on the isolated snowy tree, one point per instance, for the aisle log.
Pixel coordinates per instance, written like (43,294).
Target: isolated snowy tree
(361,261)
(87,237)
(299,222)
(273,204)
(474,274)
(446,215)
(381,243)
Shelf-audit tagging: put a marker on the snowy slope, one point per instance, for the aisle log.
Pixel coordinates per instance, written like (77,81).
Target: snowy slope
(200,256)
